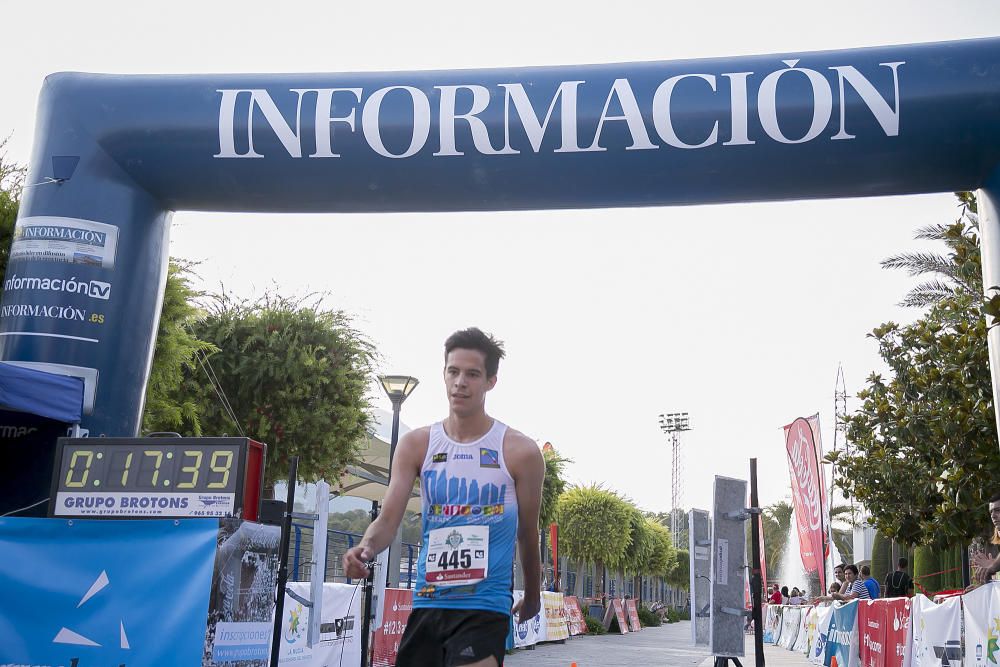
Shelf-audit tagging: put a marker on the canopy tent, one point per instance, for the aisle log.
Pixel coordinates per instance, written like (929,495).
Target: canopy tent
(369,477)
(36,408)
(56,397)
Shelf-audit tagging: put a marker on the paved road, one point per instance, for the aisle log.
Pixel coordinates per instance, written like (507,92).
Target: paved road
(665,646)
(668,645)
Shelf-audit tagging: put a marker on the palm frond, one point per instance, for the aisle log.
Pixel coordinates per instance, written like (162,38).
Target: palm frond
(936,232)
(927,294)
(916,263)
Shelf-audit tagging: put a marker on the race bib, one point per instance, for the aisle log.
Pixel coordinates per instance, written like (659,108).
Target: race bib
(457,556)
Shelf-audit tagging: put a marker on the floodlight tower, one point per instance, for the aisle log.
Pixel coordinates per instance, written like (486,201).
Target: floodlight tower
(673,423)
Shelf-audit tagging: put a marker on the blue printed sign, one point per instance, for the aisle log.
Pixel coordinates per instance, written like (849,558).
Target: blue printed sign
(842,637)
(105,592)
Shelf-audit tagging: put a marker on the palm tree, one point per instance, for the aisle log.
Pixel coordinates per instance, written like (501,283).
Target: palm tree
(959,271)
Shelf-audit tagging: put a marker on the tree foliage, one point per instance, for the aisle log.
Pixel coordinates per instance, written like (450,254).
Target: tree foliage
(11,185)
(593,525)
(642,544)
(680,575)
(291,374)
(168,407)
(924,444)
(664,557)
(552,486)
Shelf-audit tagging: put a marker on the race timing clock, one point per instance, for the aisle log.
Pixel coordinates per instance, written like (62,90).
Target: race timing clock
(157,478)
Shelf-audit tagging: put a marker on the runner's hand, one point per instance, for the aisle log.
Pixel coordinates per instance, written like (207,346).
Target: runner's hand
(525,608)
(355,562)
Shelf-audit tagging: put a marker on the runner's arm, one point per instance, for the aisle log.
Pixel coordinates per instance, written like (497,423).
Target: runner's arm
(527,467)
(406,465)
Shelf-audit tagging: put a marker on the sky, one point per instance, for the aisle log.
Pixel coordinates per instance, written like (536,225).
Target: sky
(737,314)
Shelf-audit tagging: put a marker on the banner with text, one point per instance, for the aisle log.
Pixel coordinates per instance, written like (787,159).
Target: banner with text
(340,629)
(88,592)
(577,626)
(819,630)
(897,623)
(556,627)
(395,614)
(532,630)
(807,493)
(871,621)
(842,637)
(241,607)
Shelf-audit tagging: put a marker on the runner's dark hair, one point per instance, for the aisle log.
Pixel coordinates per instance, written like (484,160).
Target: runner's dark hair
(474,338)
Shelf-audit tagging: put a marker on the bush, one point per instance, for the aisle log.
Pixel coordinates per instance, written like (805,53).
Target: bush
(673,615)
(594,626)
(648,618)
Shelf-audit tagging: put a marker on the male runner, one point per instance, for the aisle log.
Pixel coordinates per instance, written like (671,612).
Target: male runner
(480,486)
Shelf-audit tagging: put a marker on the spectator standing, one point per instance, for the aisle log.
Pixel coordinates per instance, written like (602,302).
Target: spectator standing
(853,590)
(775,595)
(985,566)
(869,581)
(898,584)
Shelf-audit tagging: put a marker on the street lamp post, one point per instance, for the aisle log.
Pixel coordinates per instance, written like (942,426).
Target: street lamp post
(397,388)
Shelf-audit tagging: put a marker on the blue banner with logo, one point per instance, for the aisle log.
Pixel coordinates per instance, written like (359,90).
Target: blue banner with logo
(99,593)
(842,637)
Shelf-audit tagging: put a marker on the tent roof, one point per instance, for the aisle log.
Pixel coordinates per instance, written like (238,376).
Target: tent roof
(369,477)
(58,397)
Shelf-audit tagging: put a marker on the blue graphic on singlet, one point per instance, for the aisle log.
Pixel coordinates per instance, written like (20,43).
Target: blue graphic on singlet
(463,500)
(444,490)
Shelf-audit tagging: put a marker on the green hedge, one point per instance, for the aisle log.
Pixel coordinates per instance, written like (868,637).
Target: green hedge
(594,626)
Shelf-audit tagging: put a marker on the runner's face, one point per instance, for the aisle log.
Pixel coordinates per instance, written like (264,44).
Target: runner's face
(465,381)
(995,514)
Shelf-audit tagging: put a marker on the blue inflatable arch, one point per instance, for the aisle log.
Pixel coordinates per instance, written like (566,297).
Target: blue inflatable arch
(118,154)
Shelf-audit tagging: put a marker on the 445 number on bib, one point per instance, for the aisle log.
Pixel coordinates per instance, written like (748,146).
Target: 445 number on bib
(457,556)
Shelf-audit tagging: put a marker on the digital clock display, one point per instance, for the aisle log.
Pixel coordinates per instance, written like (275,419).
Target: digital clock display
(150,477)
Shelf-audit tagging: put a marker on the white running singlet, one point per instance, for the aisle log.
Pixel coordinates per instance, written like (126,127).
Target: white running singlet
(469,524)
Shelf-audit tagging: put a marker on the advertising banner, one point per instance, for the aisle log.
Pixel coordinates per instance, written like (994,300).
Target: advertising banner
(820,627)
(772,621)
(532,630)
(340,636)
(632,611)
(802,638)
(842,637)
(791,618)
(897,623)
(574,616)
(871,624)
(981,611)
(556,627)
(105,592)
(241,607)
(617,611)
(398,603)
(936,632)
(807,493)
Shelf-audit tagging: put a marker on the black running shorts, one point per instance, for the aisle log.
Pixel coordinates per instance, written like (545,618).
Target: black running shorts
(448,637)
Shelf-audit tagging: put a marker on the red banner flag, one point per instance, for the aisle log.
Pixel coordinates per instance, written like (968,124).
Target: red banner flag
(554,541)
(807,494)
